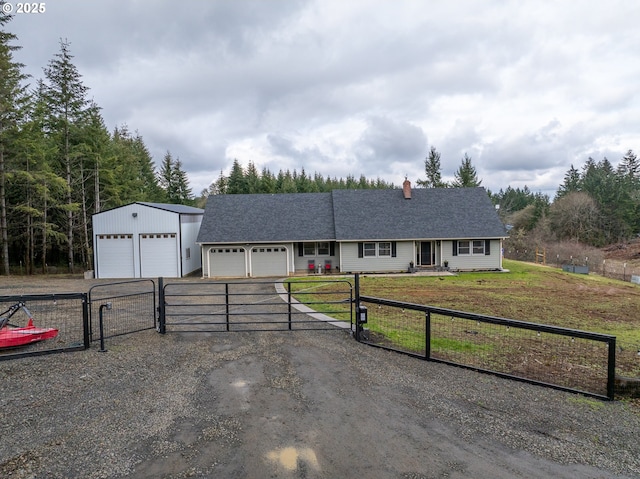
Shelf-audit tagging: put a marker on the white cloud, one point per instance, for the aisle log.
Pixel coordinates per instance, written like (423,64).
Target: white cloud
(358,87)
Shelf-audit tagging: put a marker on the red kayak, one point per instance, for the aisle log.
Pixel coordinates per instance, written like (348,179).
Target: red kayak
(16,336)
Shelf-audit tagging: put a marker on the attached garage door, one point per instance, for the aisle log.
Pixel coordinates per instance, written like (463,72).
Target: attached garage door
(115,256)
(227,262)
(159,255)
(269,261)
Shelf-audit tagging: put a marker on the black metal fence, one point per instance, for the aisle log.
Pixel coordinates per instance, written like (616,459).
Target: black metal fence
(65,312)
(125,306)
(562,358)
(232,306)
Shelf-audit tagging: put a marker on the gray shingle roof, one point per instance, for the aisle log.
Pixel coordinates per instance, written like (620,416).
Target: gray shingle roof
(267,218)
(351,215)
(431,213)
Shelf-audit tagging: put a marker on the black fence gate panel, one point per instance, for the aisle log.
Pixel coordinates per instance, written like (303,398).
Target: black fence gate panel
(127,307)
(265,305)
(561,358)
(65,312)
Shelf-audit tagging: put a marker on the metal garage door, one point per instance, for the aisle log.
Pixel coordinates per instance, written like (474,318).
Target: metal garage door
(270,261)
(159,255)
(115,256)
(227,262)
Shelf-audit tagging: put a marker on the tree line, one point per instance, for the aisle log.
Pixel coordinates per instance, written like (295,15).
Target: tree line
(59,164)
(250,181)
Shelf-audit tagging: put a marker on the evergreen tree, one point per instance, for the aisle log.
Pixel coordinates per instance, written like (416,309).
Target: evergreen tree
(628,175)
(12,99)
(165,177)
(252,179)
(92,144)
(571,183)
(65,97)
(267,181)
(184,195)
(466,176)
(236,183)
(129,174)
(432,169)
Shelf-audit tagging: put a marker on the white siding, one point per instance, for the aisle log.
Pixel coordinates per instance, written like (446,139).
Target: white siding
(473,261)
(136,220)
(191,257)
(351,263)
(301,263)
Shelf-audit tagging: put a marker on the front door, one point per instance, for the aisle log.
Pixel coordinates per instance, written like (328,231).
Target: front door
(425,253)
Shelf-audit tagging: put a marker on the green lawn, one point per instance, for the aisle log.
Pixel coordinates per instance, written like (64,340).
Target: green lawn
(527,292)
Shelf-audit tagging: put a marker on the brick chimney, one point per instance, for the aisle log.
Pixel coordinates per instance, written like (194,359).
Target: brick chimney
(406,189)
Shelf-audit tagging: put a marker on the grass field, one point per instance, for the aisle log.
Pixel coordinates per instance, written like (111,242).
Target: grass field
(531,293)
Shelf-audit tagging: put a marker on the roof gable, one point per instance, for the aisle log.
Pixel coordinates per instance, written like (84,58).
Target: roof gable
(179,209)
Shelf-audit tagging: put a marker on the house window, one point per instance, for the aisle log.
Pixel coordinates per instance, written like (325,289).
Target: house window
(384,249)
(369,249)
(323,248)
(188,253)
(478,246)
(464,247)
(309,249)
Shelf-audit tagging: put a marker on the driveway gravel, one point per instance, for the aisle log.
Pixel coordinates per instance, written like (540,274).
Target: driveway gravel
(312,404)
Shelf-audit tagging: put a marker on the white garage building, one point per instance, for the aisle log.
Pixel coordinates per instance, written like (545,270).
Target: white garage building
(146,240)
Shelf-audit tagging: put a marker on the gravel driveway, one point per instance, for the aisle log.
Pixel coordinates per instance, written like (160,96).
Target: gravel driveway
(294,405)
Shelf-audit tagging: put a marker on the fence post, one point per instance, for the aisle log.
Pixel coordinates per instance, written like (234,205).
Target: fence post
(85,321)
(226,301)
(289,302)
(357,302)
(427,342)
(162,321)
(611,370)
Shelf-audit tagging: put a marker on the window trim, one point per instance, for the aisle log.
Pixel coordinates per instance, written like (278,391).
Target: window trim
(307,244)
(387,253)
(323,248)
(464,250)
(366,248)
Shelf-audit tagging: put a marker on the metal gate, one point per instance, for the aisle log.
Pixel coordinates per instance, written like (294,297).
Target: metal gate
(232,306)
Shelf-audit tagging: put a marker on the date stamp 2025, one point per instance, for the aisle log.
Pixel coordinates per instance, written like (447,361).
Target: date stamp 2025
(23,8)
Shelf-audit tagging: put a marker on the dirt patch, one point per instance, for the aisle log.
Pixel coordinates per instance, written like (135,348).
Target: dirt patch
(293,405)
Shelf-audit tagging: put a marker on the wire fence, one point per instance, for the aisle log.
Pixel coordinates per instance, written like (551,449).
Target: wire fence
(127,307)
(558,357)
(59,324)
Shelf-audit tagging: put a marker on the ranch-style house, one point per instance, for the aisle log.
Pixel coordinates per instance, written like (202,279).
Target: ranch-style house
(368,231)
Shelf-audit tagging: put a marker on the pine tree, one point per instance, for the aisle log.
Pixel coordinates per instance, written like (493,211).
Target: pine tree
(466,176)
(66,99)
(12,100)
(183,194)
(432,169)
(237,183)
(571,183)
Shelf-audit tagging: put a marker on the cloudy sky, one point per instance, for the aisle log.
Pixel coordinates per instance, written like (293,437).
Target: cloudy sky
(524,87)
